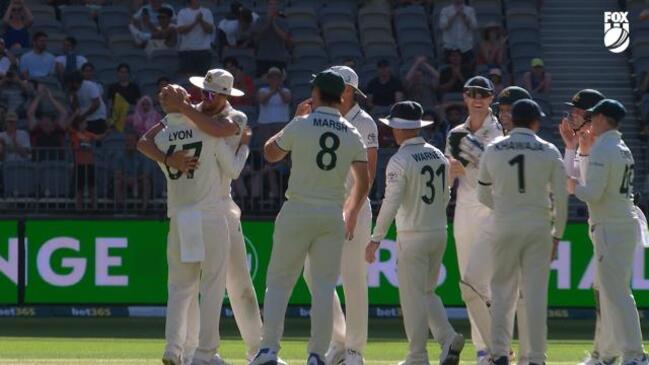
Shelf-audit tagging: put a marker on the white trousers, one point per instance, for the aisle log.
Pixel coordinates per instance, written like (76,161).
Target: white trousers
(419,257)
(615,246)
(187,280)
(240,290)
(304,231)
(521,254)
(350,328)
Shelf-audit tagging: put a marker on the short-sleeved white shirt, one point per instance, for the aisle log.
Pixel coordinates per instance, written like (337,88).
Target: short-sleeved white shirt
(86,94)
(196,39)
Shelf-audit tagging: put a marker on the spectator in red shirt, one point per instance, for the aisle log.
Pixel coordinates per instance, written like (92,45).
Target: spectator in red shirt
(84,159)
(47,130)
(242,81)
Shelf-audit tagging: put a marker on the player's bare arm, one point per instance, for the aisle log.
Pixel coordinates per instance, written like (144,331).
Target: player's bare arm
(357,196)
(218,128)
(178,160)
(272,152)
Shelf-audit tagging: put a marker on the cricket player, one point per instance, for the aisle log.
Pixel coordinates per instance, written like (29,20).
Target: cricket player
(313,223)
(417,193)
(516,177)
(464,145)
(350,332)
(239,286)
(198,245)
(614,226)
(575,130)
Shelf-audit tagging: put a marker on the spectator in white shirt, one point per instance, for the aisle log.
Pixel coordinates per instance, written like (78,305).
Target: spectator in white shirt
(196,31)
(69,61)
(37,62)
(88,73)
(7,59)
(14,143)
(86,99)
(458,22)
(146,19)
(235,30)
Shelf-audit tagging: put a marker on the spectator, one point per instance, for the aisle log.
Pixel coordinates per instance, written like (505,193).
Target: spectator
(421,82)
(242,81)
(537,80)
(196,31)
(88,73)
(143,118)
(272,39)
(496,76)
(492,47)
(7,59)
(235,29)
(124,86)
(16,20)
(454,113)
(14,91)
(163,36)
(87,103)
(132,172)
(37,62)
(14,143)
(385,89)
(69,61)
(454,75)
(458,22)
(146,19)
(82,140)
(47,130)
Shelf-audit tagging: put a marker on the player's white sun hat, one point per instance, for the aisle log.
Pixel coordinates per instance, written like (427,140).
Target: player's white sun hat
(217,80)
(406,115)
(350,76)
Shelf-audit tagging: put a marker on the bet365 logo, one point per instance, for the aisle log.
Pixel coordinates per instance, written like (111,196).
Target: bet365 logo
(616,31)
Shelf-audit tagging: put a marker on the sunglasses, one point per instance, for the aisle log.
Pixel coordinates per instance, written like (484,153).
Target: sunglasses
(208,95)
(474,92)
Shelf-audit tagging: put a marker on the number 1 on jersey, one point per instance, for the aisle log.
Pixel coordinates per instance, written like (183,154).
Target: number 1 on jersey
(520,161)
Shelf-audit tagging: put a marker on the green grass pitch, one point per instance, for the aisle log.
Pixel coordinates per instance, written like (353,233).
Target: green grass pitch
(81,341)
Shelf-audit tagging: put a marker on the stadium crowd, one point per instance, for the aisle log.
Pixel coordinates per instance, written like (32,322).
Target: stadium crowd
(63,98)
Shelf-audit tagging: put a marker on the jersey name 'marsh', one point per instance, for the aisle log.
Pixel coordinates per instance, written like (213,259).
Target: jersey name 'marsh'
(180,135)
(425,156)
(328,123)
(510,145)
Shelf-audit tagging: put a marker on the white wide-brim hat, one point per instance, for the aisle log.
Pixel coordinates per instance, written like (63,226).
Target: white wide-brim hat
(406,115)
(217,80)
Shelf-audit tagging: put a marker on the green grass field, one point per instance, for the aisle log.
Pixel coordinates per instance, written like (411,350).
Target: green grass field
(78,341)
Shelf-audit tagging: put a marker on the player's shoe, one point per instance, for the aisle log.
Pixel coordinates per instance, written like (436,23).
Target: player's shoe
(335,355)
(170,358)
(482,357)
(594,359)
(314,359)
(641,360)
(265,356)
(503,360)
(353,357)
(451,350)
(216,360)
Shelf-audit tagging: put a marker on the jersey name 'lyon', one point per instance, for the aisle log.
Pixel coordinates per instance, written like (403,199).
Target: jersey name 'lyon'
(180,135)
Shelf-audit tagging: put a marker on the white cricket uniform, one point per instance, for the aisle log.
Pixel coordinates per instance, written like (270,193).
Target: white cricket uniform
(469,224)
(517,175)
(417,193)
(323,147)
(614,226)
(604,342)
(239,286)
(350,331)
(196,192)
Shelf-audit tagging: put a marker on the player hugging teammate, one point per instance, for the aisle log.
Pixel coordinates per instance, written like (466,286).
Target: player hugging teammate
(509,216)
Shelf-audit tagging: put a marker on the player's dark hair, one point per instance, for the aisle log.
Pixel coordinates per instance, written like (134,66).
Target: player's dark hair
(523,123)
(328,98)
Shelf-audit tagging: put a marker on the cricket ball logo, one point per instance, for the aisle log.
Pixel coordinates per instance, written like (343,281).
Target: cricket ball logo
(616,31)
(253,258)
